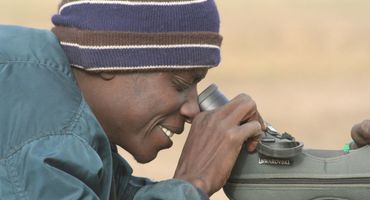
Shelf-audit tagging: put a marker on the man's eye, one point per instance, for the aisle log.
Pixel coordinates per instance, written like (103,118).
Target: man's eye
(180,85)
(182,88)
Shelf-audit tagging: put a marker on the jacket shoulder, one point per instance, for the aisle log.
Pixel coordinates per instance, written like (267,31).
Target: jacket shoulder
(20,44)
(39,95)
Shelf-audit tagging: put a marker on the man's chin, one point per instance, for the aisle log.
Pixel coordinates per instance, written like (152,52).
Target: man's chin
(147,155)
(145,159)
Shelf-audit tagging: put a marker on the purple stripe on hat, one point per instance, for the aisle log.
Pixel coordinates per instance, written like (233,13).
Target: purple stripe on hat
(89,58)
(198,17)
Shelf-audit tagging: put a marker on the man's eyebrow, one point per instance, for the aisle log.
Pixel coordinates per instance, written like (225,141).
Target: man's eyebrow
(198,76)
(195,76)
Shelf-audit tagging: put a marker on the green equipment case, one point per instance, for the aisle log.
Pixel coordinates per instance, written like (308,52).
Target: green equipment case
(312,175)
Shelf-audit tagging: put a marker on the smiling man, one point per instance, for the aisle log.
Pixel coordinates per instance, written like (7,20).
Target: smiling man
(142,109)
(117,73)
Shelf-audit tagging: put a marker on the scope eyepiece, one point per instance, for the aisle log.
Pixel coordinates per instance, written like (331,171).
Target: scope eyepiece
(272,143)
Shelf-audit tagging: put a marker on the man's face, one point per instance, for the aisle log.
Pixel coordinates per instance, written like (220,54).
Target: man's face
(141,111)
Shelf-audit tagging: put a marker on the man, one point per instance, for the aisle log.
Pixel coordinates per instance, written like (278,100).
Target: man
(360,134)
(135,67)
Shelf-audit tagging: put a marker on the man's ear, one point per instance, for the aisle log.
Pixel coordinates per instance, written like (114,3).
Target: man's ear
(106,76)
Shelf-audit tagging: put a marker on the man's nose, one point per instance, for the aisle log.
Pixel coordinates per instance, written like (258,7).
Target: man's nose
(191,107)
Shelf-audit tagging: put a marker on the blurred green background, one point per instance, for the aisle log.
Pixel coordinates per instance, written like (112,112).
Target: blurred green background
(305,63)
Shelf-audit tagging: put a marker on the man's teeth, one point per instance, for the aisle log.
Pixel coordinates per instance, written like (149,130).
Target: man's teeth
(167,132)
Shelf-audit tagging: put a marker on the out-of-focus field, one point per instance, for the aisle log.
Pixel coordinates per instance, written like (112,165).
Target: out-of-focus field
(305,63)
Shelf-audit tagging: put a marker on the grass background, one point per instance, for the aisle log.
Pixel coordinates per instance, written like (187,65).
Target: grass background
(305,63)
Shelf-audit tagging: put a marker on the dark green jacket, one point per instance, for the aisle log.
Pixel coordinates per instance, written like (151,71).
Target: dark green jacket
(51,145)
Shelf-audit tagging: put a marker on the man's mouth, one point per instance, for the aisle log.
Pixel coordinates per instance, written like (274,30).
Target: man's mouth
(166,131)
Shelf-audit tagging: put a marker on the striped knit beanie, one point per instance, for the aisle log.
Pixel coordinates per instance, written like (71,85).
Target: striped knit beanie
(134,35)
